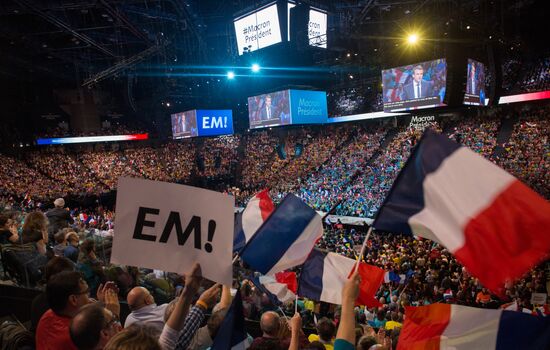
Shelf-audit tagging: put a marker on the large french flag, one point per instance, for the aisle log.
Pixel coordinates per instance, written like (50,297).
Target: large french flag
(492,223)
(253,216)
(324,274)
(446,326)
(285,239)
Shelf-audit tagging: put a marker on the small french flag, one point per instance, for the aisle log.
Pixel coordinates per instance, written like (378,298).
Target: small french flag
(324,274)
(492,223)
(276,290)
(446,326)
(285,239)
(253,216)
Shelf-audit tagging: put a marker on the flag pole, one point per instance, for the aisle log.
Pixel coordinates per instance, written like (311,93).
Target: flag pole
(363,248)
(286,317)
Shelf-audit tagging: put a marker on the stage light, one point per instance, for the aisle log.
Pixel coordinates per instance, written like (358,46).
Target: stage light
(255,68)
(230,75)
(412,39)
(167,104)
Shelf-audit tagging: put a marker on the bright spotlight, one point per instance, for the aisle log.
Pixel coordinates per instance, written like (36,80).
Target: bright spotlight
(255,68)
(412,39)
(230,75)
(167,104)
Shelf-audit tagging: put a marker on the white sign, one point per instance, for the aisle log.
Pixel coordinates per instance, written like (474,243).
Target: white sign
(317,26)
(167,227)
(258,30)
(538,298)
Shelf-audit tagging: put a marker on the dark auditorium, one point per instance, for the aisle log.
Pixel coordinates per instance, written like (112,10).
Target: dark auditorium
(274,174)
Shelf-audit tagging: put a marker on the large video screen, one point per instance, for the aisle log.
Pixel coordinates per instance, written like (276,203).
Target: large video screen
(184,125)
(415,86)
(287,107)
(202,122)
(271,109)
(317,26)
(258,30)
(475,84)
(308,107)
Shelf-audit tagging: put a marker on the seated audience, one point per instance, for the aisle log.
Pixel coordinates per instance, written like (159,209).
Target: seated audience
(67,292)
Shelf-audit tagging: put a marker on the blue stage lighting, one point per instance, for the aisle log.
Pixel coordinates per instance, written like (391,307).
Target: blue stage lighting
(255,68)
(230,75)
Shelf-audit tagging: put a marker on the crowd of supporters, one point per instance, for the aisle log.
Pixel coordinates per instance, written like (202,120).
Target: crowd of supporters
(344,166)
(326,186)
(420,272)
(520,75)
(354,100)
(527,152)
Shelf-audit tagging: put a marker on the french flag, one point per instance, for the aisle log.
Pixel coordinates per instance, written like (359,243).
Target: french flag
(253,216)
(324,274)
(285,239)
(446,326)
(492,223)
(276,289)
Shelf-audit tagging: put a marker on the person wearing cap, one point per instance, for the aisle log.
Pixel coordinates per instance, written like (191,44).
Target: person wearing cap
(58,218)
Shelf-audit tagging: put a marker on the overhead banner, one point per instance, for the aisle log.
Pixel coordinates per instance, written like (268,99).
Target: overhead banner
(215,122)
(202,122)
(308,107)
(316,28)
(87,139)
(258,30)
(287,107)
(168,227)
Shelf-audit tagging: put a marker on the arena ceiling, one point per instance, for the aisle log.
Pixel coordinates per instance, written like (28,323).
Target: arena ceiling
(77,40)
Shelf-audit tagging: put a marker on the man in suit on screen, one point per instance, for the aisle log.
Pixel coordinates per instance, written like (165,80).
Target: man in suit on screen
(472,86)
(267,111)
(418,88)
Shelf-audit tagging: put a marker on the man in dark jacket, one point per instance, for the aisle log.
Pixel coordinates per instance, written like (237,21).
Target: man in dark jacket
(58,217)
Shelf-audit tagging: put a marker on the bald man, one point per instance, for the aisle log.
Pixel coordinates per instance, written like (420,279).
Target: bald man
(144,309)
(93,326)
(270,324)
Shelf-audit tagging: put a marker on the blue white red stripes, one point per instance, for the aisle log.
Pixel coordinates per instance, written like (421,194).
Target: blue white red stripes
(285,239)
(86,139)
(495,226)
(249,221)
(324,274)
(445,326)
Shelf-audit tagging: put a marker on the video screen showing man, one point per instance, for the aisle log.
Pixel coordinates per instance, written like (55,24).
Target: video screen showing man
(184,125)
(420,85)
(475,83)
(271,109)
